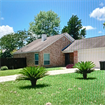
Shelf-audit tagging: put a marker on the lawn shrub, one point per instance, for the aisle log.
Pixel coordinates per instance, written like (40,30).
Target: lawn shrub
(84,68)
(32,74)
(4,68)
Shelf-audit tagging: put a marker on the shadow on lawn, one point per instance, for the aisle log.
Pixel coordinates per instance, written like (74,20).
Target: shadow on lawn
(37,86)
(90,78)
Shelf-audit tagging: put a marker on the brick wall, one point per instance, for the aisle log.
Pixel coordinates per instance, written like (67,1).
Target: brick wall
(75,57)
(57,58)
(71,58)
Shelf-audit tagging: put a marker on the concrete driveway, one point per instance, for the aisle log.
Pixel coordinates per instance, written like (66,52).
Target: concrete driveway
(55,72)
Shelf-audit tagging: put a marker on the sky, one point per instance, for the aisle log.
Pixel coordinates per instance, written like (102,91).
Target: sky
(16,15)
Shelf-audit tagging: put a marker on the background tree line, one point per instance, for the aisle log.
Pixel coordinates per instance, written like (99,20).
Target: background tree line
(44,23)
(11,42)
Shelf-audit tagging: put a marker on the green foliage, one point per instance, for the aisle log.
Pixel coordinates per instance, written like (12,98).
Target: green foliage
(32,74)
(1,53)
(31,37)
(21,36)
(45,23)
(84,68)
(65,29)
(4,68)
(6,54)
(82,33)
(74,28)
(104,25)
(8,42)
(13,41)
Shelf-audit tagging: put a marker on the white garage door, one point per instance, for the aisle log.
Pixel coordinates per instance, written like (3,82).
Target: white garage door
(95,55)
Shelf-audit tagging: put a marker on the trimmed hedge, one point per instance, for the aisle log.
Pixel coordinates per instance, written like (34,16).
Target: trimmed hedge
(4,68)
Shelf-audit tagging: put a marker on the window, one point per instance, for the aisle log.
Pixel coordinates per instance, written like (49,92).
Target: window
(46,59)
(36,59)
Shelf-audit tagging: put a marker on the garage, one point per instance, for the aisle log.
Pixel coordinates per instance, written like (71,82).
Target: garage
(95,55)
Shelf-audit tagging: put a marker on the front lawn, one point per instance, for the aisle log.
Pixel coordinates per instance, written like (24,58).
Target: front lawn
(9,72)
(64,89)
(54,68)
(16,71)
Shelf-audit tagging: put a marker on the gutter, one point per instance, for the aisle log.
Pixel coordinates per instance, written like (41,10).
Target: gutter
(25,52)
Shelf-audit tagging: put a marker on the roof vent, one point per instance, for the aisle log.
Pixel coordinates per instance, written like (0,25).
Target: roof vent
(83,37)
(44,37)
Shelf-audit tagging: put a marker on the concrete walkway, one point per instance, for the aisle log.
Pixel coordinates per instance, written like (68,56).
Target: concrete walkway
(8,78)
(55,72)
(64,71)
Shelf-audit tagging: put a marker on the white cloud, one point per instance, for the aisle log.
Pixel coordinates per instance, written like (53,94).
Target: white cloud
(99,14)
(2,18)
(88,27)
(5,30)
(99,32)
(101,4)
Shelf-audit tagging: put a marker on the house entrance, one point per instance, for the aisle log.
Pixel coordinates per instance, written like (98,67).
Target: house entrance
(67,59)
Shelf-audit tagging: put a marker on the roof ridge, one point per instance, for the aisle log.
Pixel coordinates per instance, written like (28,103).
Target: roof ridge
(91,37)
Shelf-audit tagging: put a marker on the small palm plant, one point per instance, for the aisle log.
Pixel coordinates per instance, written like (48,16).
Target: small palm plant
(32,74)
(84,68)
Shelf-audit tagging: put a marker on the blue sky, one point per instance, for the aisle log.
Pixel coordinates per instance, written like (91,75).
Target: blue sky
(17,14)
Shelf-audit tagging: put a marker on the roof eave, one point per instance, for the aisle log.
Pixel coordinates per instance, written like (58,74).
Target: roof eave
(25,52)
(67,51)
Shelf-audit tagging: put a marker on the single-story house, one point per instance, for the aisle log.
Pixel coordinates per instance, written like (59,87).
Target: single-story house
(60,50)
(45,52)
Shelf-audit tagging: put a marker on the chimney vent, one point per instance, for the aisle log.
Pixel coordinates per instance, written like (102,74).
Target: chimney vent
(44,37)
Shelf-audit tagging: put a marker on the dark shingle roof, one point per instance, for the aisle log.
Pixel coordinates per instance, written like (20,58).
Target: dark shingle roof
(38,45)
(87,43)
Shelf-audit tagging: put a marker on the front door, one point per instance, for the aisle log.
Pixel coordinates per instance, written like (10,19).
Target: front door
(67,59)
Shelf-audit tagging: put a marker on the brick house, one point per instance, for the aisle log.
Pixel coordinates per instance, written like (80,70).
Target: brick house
(45,52)
(60,50)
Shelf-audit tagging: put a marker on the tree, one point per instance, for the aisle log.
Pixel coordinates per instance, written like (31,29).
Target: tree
(84,68)
(31,37)
(24,37)
(8,42)
(83,33)
(21,37)
(65,29)
(45,23)
(32,74)
(74,28)
(0,53)
(104,25)
(13,41)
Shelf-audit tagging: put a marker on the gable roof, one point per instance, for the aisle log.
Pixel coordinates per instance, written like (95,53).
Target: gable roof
(39,45)
(87,43)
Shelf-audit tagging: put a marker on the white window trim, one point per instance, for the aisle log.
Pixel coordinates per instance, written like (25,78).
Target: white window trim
(43,58)
(36,60)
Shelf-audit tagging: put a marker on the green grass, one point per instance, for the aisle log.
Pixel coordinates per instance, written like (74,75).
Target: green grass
(16,71)
(54,68)
(9,72)
(64,89)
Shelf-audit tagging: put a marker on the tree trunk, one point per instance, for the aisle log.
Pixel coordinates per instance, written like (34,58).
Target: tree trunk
(33,83)
(85,75)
